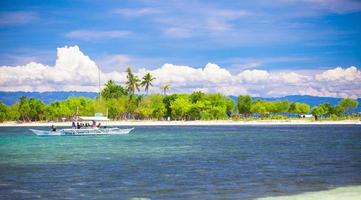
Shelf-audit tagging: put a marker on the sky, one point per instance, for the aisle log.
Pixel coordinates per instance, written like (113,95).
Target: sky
(262,48)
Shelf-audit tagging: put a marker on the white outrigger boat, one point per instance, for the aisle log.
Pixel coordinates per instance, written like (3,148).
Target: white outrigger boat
(81,131)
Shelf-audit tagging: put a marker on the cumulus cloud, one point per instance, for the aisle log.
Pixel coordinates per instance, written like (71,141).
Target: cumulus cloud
(339,74)
(74,71)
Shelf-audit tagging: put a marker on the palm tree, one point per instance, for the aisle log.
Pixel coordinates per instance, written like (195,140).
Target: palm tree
(132,81)
(165,87)
(147,81)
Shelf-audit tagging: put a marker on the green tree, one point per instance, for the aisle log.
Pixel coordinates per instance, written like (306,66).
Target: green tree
(218,107)
(318,111)
(230,106)
(165,88)
(244,105)
(151,107)
(147,81)
(197,109)
(113,90)
(180,107)
(132,82)
(117,107)
(327,108)
(197,96)
(299,108)
(348,104)
(259,107)
(276,107)
(24,109)
(13,113)
(37,109)
(4,112)
(167,101)
(132,104)
(337,110)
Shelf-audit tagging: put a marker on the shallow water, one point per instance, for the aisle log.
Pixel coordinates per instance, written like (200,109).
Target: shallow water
(198,162)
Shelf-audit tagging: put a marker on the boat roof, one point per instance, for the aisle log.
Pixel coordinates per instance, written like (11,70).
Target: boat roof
(91,118)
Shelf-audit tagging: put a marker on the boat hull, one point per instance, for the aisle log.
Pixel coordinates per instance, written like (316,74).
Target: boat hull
(83,132)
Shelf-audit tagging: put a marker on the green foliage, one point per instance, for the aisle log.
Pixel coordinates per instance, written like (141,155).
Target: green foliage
(132,82)
(277,107)
(348,104)
(151,107)
(37,109)
(117,107)
(196,106)
(4,112)
(165,88)
(180,107)
(337,110)
(13,112)
(24,109)
(259,107)
(265,108)
(319,110)
(167,100)
(147,81)
(112,90)
(197,96)
(299,108)
(244,105)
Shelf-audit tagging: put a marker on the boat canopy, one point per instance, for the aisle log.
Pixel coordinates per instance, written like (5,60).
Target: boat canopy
(91,118)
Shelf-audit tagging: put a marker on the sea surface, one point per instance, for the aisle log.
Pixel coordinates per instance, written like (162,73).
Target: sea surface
(181,162)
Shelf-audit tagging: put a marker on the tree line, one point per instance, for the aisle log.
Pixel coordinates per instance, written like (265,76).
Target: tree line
(120,102)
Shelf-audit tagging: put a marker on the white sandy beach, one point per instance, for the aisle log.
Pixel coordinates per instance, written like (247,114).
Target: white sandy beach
(191,123)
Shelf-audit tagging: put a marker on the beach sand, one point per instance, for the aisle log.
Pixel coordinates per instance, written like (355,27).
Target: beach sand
(191,123)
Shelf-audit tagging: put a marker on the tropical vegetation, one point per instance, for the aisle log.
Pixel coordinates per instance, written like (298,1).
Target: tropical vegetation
(121,102)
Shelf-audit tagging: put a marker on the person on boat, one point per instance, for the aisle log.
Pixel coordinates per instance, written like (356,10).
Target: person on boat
(73,124)
(94,124)
(53,128)
(99,125)
(77,125)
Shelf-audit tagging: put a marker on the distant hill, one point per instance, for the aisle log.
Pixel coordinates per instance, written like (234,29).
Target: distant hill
(48,97)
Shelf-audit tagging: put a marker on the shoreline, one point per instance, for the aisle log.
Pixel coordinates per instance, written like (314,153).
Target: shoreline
(188,123)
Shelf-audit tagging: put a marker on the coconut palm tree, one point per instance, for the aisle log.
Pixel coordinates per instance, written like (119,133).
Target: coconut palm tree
(165,87)
(147,81)
(132,82)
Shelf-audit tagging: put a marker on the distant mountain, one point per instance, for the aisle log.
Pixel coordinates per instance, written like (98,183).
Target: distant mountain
(48,97)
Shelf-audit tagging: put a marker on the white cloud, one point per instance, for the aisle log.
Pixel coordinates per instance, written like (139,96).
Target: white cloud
(339,74)
(90,35)
(74,71)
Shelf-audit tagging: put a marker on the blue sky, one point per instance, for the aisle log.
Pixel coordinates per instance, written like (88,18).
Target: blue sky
(274,35)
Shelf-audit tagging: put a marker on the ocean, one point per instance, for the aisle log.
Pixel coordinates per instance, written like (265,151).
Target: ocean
(181,162)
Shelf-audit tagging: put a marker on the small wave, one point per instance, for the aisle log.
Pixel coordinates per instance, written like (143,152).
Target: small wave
(21,191)
(139,198)
(344,193)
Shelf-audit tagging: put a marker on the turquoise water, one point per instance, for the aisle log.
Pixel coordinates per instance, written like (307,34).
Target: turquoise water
(198,162)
